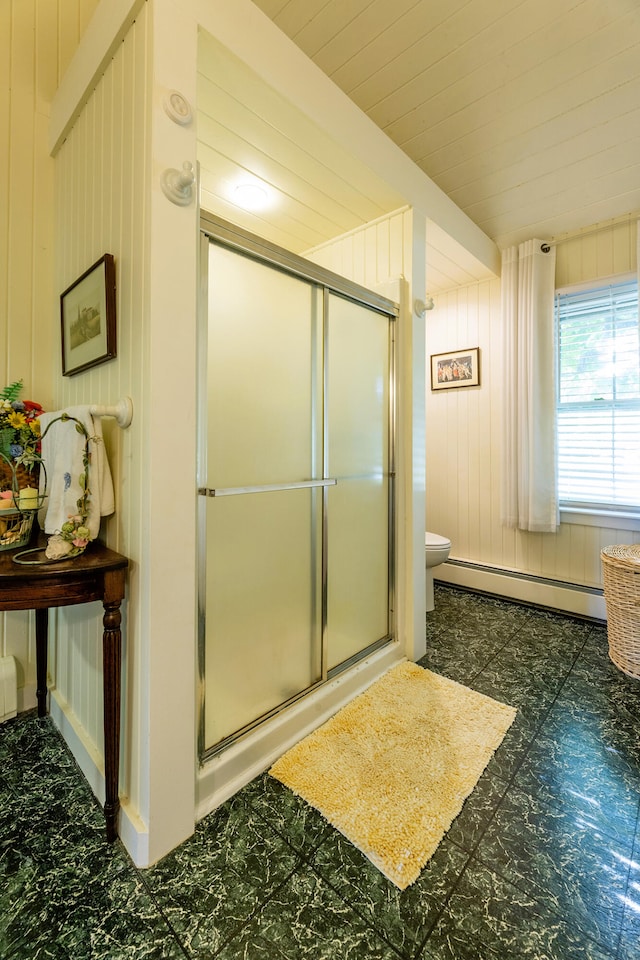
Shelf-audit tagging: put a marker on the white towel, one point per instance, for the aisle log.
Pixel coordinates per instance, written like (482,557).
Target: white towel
(62,451)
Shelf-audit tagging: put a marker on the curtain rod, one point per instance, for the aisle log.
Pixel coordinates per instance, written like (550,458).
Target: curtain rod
(546,245)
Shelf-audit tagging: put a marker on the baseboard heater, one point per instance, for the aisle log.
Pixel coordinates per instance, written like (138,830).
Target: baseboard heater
(8,688)
(561,595)
(530,577)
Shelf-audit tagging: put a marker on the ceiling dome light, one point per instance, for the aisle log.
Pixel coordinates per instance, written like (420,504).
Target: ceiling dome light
(251,196)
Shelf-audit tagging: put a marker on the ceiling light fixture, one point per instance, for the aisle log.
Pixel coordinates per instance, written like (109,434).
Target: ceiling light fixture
(251,196)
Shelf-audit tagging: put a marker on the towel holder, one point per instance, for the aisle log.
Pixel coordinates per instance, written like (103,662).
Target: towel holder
(122,411)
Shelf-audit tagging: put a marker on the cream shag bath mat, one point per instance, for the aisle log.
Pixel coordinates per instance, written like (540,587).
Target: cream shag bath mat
(393,768)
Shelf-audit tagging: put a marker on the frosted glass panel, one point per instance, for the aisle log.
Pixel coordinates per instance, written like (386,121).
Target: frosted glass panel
(358,515)
(263,599)
(358,598)
(263,381)
(284,376)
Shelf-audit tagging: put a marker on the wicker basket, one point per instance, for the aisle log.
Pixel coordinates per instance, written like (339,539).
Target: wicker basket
(16,524)
(621,570)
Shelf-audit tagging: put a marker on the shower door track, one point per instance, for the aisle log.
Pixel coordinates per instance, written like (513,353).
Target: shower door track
(221,746)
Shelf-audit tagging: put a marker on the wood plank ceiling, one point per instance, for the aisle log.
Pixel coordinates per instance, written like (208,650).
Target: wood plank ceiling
(310,190)
(251,137)
(525,112)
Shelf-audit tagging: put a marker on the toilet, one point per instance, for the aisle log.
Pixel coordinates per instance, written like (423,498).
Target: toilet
(436,551)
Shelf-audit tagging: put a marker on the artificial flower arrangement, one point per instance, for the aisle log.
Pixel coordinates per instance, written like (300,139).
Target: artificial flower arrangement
(20,447)
(19,466)
(19,426)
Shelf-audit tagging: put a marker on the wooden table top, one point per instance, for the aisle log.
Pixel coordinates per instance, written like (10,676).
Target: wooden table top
(58,583)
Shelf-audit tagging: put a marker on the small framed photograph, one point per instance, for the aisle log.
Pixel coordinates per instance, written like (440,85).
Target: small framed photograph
(457,368)
(88,316)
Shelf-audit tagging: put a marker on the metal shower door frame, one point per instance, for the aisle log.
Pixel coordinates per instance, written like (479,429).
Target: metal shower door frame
(216,230)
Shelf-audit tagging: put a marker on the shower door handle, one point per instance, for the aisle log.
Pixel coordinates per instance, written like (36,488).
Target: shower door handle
(265,488)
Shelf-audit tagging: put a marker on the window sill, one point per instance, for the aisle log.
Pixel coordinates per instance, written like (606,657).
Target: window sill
(609,519)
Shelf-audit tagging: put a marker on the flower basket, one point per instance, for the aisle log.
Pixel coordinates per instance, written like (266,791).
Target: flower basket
(19,501)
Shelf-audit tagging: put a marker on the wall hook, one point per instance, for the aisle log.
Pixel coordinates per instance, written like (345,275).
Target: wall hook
(421,306)
(177,185)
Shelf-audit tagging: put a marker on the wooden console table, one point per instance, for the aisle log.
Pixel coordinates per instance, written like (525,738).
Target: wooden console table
(97,574)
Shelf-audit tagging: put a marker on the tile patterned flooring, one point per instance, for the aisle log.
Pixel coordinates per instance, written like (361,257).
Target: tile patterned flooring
(543,861)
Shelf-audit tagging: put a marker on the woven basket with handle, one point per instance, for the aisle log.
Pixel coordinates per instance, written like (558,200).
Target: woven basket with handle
(16,526)
(621,571)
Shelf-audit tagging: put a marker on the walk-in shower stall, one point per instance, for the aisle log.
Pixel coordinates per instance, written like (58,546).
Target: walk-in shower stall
(296,480)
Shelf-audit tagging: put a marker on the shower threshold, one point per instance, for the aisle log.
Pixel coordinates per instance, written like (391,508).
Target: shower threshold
(222,775)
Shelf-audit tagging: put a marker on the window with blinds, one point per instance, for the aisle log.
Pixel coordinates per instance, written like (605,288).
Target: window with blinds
(598,397)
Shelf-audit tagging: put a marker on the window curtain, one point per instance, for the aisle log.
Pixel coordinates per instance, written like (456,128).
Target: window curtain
(529,473)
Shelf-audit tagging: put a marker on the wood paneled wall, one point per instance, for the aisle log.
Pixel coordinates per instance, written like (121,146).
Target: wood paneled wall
(101,184)
(597,253)
(372,254)
(464,428)
(37,40)
(104,156)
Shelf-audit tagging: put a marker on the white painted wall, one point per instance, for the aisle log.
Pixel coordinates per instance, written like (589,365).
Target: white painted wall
(464,448)
(37,41)
(372,254)
(101,182)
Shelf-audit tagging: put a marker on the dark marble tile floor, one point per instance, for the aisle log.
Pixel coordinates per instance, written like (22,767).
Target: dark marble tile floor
(543,862)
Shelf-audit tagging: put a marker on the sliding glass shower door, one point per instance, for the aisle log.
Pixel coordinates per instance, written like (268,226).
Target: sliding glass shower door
(358,456)
(296,497)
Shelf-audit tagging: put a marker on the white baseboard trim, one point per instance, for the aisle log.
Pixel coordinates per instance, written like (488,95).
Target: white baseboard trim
(131,829)
(566,597)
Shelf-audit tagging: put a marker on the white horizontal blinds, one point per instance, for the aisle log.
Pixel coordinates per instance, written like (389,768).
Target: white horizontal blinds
(599,396)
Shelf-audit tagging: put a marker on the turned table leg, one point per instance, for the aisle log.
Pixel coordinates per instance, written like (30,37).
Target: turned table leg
(42,632)
(111,661)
